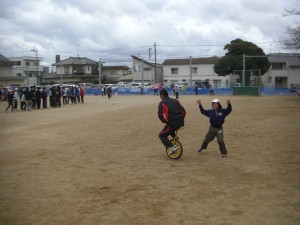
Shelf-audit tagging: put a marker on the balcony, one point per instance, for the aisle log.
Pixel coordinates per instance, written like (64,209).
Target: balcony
(29,68)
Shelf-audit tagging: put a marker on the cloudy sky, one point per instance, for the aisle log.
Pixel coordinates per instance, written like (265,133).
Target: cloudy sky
(113,30)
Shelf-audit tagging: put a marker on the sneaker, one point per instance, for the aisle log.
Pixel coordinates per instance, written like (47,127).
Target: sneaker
(200,149)
(173,149)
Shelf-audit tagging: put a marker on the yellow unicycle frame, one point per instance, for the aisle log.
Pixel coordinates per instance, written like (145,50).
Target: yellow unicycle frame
(175,141)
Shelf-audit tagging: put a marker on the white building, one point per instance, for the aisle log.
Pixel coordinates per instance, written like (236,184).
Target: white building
(75,70)
(6,78)
(27,69)
(115,73)
(195,70)
(284,71)
(144,70)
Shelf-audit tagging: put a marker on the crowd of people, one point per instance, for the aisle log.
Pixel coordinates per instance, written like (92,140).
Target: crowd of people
(37,98)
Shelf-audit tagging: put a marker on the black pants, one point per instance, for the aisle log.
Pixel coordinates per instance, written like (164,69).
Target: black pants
(23,105)
(45,103)
(168,130)
(65,100)
(38,103)
(10,104)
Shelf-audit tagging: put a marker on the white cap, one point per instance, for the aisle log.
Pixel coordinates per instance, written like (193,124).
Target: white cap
(215,100)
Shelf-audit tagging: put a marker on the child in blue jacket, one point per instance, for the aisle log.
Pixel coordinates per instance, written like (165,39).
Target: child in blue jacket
(217,118)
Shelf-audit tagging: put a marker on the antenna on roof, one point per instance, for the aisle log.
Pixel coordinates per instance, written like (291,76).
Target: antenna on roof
(207,51)
(150,52)
(77,50)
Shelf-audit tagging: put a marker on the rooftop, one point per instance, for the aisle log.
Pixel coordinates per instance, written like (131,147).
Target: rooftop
(209,60)
(76,61)
(291,59)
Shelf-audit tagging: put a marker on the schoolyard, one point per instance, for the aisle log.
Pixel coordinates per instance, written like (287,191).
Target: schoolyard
(99,163)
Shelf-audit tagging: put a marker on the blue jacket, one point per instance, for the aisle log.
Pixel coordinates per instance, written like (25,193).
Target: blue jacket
(216,118)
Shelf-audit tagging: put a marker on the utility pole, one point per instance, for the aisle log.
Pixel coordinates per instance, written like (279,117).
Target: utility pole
(191,76)
(150,52)
(100,72)
(61,76)
(244,68)
(142,72)
(36,56)
(28,77)
(155,78)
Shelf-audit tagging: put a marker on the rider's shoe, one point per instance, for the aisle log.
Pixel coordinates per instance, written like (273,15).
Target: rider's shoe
(200,149)
(173,149)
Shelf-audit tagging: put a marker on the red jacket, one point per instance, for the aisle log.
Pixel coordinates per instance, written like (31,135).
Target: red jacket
(81,91)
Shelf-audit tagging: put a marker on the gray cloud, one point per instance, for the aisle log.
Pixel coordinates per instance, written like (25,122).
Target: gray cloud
(115,29)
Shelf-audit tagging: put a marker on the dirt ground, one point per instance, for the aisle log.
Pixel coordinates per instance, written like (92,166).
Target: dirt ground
(99,163)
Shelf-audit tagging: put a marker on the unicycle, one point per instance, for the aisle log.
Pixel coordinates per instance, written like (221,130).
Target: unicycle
(175,141)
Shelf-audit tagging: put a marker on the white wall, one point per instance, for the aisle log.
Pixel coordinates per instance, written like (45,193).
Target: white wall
(292,74)
(204,72)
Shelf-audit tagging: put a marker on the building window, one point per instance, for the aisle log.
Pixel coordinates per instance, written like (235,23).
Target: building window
(19,74)
(194,70)
(18,63)
(174,70)
(147,69)
(66,70)
(78,70)
(277,66)
(136,67)
(95,70)
(27,63)
(217,83)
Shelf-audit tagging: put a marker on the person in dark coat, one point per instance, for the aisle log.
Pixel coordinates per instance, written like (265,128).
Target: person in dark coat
(44,98)
(38,97)
(216,117)
(172,113)
(10,99)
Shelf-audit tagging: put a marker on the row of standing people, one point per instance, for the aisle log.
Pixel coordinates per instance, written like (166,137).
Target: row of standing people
(36,98)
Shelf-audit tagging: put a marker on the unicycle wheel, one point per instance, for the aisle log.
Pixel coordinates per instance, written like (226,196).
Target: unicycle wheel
(179,151)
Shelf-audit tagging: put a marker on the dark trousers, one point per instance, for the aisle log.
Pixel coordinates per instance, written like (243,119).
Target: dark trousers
(23,105)
(82,99)
(210,135)
(45,102)
(10,104)
(169,129)
(38,103)
(108,95)
(65,100)
(51,101)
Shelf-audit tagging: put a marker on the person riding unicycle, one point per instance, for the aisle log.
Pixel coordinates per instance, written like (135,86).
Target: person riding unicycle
(172,113)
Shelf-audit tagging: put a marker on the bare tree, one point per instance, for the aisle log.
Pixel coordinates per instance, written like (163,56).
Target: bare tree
(292,42)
